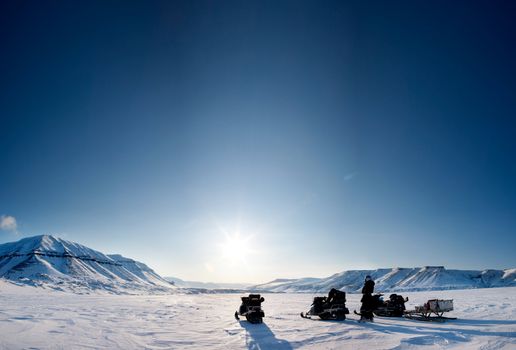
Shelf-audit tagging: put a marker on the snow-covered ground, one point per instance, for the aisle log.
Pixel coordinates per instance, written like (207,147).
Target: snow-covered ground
(48,319)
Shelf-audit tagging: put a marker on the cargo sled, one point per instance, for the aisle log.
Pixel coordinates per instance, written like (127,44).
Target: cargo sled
(332,307)
(251,308)
(432,310)
(394,307)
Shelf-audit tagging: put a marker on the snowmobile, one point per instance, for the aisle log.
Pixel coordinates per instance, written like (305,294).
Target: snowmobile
(251,308)
(433,306)
(394,307)
(332,307)
(375,305)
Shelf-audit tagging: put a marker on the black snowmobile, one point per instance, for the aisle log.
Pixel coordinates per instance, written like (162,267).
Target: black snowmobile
(394,307)
(374,304)
(332,307)
(251,308)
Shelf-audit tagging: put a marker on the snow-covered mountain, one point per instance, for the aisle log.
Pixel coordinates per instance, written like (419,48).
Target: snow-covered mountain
(397,279)
(55,263)
(207,285)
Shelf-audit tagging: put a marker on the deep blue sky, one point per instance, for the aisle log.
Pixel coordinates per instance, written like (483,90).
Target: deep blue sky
(331,135)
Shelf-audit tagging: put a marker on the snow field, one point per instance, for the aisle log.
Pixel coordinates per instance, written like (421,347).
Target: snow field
(46,319)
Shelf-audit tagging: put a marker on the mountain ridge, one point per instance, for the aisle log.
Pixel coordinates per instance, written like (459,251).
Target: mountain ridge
(397,280)
(51,262)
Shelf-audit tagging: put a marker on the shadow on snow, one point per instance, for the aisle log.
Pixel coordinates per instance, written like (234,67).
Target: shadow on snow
(448,331)
(260,337)
(473,322)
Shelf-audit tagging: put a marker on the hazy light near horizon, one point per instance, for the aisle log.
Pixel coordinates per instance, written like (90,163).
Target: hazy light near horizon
(232,255)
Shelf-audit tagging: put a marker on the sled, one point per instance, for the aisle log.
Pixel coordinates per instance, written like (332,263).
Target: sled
(433,310)
(251,309)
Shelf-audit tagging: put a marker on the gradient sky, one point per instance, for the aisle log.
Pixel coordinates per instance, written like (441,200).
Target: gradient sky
(331,135)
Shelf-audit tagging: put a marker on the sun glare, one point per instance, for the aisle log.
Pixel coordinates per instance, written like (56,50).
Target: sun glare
(236,248)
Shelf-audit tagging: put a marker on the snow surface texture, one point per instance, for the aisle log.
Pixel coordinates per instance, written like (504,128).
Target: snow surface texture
(49,319)
(50,262)
(397,279)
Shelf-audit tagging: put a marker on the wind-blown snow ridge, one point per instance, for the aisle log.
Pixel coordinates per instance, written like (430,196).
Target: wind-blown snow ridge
(397,279)
(55,263)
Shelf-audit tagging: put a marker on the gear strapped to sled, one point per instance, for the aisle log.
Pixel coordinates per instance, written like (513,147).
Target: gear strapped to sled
(435,307)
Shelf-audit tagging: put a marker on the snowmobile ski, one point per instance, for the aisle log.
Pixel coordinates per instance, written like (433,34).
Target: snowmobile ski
(363,318)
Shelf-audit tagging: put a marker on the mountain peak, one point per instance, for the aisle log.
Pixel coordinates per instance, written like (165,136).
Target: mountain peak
(46,239)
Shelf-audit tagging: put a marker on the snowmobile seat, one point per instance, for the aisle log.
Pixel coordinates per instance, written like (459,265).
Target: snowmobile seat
(336,297)
(318,304)
(255,300)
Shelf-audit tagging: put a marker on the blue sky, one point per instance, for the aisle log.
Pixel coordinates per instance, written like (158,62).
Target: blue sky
(325,135)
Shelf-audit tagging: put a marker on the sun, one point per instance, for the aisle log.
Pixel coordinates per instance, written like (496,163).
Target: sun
(236,248)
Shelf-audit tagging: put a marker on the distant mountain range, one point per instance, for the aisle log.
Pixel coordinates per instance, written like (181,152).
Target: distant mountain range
(207,285)
(50,262)
(55,263)
(396,279)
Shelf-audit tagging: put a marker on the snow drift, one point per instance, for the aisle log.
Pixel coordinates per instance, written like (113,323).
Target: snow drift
(397,279)
(55,263)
